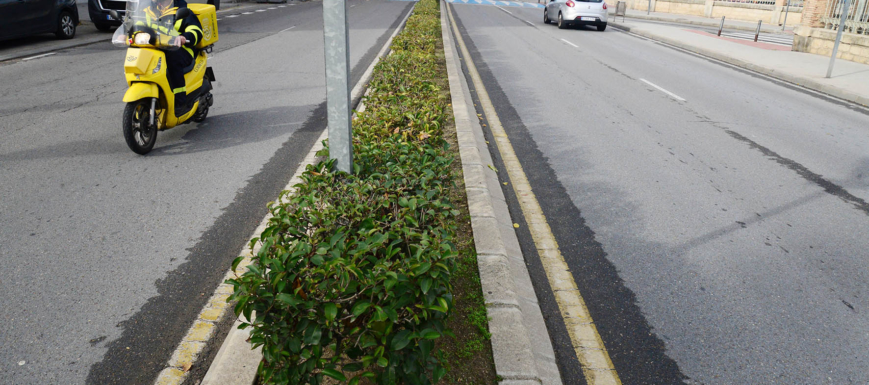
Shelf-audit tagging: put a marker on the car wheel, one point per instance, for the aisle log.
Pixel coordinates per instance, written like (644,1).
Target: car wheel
(65,26)
(601,27)
(103,27)
(561,23)
(546,17)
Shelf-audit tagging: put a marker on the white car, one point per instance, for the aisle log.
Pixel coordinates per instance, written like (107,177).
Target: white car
(576,12)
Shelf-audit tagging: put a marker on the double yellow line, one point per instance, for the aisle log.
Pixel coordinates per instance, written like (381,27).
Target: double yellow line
(590,350)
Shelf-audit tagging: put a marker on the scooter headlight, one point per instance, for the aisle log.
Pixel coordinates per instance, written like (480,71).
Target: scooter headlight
(142,38)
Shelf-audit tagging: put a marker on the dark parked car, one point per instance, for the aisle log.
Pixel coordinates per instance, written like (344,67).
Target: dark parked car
(99,13)
(20,18)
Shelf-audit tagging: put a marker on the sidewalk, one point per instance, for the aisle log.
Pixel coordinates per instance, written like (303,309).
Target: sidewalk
(850,80)
(704,21)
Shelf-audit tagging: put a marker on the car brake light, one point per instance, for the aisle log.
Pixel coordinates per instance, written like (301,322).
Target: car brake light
(604,5)
(570,3)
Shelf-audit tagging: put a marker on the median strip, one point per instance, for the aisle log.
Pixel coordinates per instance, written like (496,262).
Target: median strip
(593,357)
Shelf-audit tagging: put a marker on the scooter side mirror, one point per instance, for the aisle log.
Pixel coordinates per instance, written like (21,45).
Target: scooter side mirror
(114,15)
(182,13)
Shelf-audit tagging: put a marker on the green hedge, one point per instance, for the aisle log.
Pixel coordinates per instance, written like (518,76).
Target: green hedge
(353,276)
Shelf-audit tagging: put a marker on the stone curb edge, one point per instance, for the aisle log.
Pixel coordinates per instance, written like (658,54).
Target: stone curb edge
(236,362)
(715,24)
(512,349)
(796,80)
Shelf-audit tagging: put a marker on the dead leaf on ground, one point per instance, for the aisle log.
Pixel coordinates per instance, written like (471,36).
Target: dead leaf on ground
(187,367)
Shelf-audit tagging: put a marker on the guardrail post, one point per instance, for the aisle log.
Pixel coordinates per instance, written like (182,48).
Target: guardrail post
(720,27)
(787,7)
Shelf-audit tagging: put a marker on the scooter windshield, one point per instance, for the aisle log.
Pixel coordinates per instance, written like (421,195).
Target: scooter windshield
(148,24)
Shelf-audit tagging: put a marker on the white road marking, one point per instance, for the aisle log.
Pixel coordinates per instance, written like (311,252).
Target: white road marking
(574,45)
(38,56)
(528,22)
(286,29)
(282,6)
(230,16)
(504,10)
(219,19)
(674,96)
(352,5)
(247,13)
(260,10)
(272,8)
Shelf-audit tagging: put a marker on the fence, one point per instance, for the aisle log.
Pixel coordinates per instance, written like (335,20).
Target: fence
(857,20)
(759,2)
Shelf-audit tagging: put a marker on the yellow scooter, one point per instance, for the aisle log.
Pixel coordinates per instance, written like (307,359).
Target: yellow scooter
(150,100)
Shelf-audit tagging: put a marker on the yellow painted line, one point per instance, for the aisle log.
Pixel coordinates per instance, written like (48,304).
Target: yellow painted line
(590,350)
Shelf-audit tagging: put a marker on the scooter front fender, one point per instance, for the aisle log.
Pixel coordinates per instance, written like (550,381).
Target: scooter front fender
(138,91)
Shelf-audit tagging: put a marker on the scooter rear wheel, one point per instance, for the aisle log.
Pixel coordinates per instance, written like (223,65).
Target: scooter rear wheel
(139,133)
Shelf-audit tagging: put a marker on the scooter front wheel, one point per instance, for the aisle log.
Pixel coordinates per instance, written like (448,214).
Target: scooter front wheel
(139,133)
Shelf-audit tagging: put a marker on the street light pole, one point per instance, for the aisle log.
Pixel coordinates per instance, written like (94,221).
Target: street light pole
(335,33)
(838,36)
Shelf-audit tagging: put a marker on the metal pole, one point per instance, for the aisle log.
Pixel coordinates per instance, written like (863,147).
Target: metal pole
(838,37)
(787,7)
(335,34)
(757,32)
(649,9)
(720,27)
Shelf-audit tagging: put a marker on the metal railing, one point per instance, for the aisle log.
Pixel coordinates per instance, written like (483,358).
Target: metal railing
(759,2)
(857,20)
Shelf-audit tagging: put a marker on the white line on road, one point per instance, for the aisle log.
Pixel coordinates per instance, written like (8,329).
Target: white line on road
(282,6)
(38,56)
(260,10)
(247,13)
(231,16)
(674,96)
(272,8)
(286,29)
(504,10)
(352,5)
(574,45)
(219,19)
(528,22)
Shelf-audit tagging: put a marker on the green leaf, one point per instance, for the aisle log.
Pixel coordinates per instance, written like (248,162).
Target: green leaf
(287,299)
(334,374)
(360,307)
(401,339)
(424,285)
(429,334)
(330,310)
(422,268)
(382,362)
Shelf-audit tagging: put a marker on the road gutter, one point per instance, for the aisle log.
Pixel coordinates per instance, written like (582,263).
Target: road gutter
(236,363)
(593,357)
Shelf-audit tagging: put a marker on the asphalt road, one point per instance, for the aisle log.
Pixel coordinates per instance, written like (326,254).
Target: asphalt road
(107,255)
(716,221)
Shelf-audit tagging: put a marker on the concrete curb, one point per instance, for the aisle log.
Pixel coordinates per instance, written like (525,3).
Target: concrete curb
(236,363)
(521,346)
(714,24)
(771,72)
